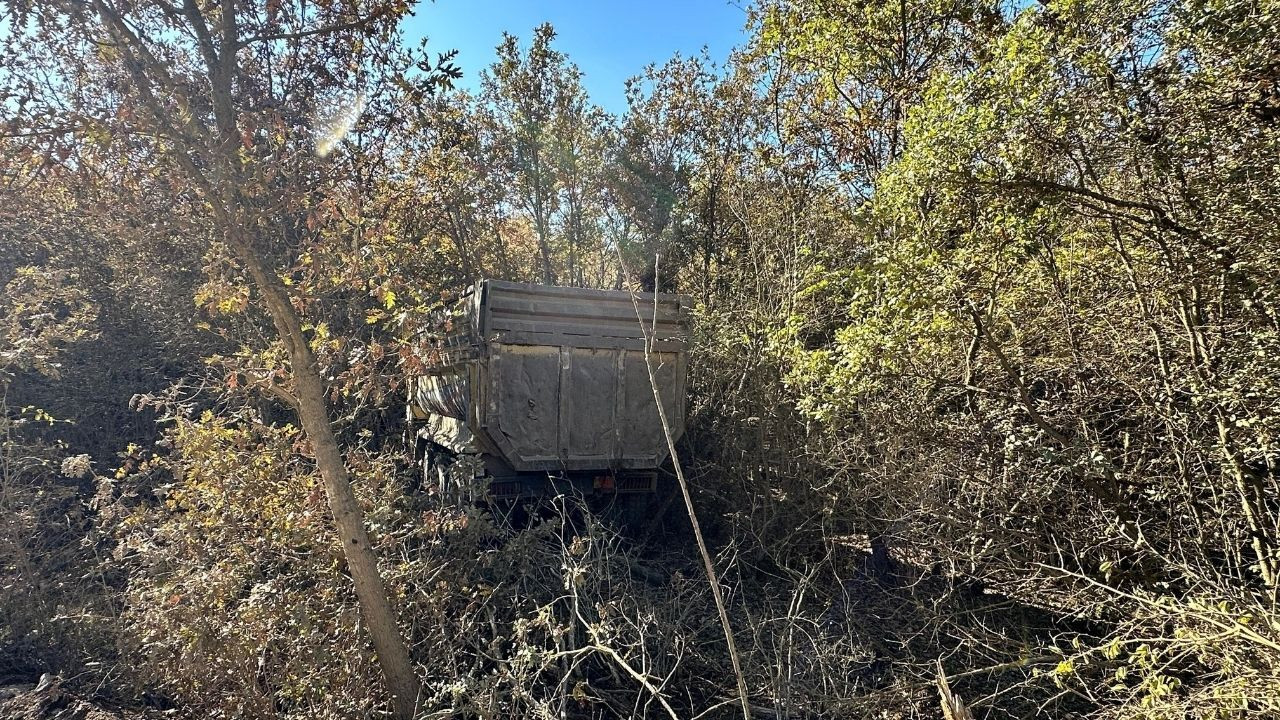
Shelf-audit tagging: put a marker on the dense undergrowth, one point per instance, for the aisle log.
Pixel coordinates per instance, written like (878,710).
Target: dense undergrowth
(984,382)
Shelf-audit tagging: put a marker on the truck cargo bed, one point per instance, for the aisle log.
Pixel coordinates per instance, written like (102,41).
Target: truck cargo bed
(544,379)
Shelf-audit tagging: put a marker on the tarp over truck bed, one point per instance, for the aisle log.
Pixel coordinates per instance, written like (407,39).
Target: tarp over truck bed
(554,378)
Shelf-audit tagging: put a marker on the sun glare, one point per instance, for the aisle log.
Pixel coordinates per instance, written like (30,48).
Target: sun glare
(339,122)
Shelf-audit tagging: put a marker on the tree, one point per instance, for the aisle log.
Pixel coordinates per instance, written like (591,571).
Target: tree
(863,66)
(1059,304)
(548,140)
(226,109)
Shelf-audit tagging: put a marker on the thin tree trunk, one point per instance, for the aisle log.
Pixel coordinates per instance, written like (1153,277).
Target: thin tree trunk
(220,183)
(1251,504)
(389,645)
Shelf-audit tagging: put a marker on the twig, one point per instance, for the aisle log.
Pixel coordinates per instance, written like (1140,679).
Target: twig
(953,708)
(712,578)
(1238,629)
(640,677)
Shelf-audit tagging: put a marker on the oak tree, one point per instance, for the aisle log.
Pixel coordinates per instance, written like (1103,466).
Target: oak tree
(228,110)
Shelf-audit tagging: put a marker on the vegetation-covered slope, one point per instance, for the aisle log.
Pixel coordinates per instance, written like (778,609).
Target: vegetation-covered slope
(985,383)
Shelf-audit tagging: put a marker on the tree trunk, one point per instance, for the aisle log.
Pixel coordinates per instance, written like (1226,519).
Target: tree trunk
(220,181)
(390,647)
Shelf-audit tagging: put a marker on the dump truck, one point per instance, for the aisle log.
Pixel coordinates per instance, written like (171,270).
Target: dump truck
(528,390)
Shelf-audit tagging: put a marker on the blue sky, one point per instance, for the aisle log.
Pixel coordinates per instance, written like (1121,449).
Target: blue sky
(610,40)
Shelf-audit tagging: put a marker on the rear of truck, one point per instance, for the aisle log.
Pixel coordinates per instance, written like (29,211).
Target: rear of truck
(531,389)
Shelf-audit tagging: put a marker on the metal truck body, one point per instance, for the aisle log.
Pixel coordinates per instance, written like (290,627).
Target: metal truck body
(532,382)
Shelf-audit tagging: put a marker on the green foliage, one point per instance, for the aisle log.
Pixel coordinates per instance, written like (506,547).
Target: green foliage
(1057,288)
(986,366)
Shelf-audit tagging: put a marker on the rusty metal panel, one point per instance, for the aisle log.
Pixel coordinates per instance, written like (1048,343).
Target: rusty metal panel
(587,424)
(639,424)
(525,388)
